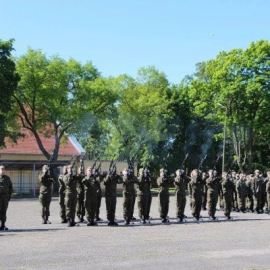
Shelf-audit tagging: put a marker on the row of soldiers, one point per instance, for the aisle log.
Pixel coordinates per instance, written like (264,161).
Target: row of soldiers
(81,194)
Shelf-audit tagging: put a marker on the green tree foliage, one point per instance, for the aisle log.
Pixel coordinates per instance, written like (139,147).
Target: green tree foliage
(53,94)
(234,88)
(8,83)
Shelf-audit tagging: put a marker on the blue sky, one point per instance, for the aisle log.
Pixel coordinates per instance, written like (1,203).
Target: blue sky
(122,36)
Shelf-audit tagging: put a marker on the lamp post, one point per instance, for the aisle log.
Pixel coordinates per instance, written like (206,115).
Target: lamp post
(224,137)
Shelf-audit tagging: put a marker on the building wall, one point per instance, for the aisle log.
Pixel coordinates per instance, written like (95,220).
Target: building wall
(25,182)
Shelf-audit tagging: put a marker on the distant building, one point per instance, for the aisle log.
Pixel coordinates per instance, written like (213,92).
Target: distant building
(23,160)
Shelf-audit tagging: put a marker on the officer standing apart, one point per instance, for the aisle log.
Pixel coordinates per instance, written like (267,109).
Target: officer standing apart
(5,195)
(45,193)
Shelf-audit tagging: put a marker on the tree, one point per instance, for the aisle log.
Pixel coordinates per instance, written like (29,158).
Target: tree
(53,94)
(234,88)
(8,83)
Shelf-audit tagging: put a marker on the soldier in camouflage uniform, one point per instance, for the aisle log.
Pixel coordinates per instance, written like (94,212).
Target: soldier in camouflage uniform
(70,181)
(62,196)
(90,197)
(5,195)
(204,191)
(196,184)
(163,195)
(100,178)
(110,182)
(227,188)
(180,182)
(258,191)
(241,188)
(235,180)
(128,194)
(212,183)
(80,208)
(267,189)
(250,200)
(144,193)
(45,193)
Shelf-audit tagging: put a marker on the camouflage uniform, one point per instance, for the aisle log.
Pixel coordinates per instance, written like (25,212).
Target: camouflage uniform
(180,183)
(70,181)
(80,208)
(5,195)
(212,195)
(110,183)
(258,192)
(196,185)
(241,188)
(250,199)
(227,189)
(144,195)
(90,197)
(128,196)
(163,197)
(268,193)
(45,195)
(204,193)
(62,188)
(99,195)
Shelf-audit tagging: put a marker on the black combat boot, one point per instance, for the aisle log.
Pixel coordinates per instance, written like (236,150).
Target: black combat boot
(47,220)
(3,227)
(69,222)
(44,220)
(64,220)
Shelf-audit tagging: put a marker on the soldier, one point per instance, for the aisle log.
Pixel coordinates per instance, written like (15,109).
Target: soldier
(241,188)
(190,195)
(62,196)
(236,177)
(45,193)
(100,178)
(5,195)
(90,197)
(110,182)
(180,182)
(128,194)
(220,196)
(70,181)
(144,193)
(267,180)
(196,185)
(204,191)
(163,195)
(250,200)
(212,183)
(258,191)
(227,189)
(80,208)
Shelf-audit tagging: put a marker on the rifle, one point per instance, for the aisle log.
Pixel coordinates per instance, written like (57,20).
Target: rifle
(72,164)
(82,168)
(214,168)
(49,171)
(98,170)
(201,163)
(112,167)
(94,166)
(184,162)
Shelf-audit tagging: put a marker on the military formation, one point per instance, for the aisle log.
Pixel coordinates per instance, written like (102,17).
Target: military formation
(80,193)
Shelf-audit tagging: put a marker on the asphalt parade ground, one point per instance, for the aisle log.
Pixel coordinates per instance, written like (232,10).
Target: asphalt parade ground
(243,243)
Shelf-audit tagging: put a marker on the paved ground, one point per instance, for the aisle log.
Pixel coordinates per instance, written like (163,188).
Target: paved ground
(243,243)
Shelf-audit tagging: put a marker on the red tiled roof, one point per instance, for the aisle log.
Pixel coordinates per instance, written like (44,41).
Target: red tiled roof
(28,145)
